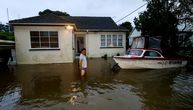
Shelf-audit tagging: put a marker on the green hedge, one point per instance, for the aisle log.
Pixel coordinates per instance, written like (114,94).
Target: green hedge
(7,36)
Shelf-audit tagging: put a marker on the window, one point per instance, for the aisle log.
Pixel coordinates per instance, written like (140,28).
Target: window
(54,39)
(120,40)
(135,52)
(111,40)
(114,40)
(108,40)
(151,54)
(35,39)
(103,41)
(44,39)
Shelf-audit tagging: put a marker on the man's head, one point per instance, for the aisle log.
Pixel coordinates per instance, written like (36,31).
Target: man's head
(83,51)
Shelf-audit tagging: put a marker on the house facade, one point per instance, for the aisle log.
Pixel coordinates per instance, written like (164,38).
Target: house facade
(56,39)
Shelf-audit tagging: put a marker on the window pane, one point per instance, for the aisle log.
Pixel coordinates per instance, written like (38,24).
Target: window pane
(102,40)
(54,45)
(114,40)
(54,39)
(35,40)
(54,33)
(135,52)
(35,45)
(44,37)
(45,45)
(152,54)
(43,33)
(34,33)
(120,40)
(108,40)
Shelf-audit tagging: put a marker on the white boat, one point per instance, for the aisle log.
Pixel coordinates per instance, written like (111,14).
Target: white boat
(147,59)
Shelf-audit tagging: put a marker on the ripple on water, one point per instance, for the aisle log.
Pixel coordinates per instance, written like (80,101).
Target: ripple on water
(183,91)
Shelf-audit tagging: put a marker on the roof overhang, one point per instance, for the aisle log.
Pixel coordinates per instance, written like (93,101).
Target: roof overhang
(44,24)
(101,30)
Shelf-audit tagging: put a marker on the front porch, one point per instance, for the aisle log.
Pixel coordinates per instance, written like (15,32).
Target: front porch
(80,43)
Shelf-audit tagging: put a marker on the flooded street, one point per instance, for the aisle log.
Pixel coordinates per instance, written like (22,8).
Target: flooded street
(60,87)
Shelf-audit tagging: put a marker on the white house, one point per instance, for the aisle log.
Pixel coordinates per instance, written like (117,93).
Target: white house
(56,39)
(135,33)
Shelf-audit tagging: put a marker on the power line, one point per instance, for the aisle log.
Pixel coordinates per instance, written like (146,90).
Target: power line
(131,12)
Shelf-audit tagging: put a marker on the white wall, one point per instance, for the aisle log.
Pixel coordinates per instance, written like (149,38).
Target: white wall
(93,44)
(23,45)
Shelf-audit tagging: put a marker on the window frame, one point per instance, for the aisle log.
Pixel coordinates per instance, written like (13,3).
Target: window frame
(160,56)
(112,42)
(120,36)
(104,40)
(48,38)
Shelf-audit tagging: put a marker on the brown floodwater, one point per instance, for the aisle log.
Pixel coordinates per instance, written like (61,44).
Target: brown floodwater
(60,87)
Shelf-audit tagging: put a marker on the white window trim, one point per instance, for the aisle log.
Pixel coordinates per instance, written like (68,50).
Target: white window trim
(49,48)
(101,40)
(118,40)
(111,45)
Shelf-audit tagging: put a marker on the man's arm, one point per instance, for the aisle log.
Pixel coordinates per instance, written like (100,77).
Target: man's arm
(80,63)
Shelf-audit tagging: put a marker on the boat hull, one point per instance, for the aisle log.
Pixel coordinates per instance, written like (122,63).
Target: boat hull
(140,63)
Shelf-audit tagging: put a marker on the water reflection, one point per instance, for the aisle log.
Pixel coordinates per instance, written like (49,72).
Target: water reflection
(10,90)
(60,86)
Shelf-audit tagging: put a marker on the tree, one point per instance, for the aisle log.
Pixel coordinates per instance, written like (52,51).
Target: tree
(183,9)
(129,27)
(6,32)
(161,19)
(5,28)
(58,13)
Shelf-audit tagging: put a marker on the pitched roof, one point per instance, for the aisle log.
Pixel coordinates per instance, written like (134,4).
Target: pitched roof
(93,22)
(41,19)
(81,22)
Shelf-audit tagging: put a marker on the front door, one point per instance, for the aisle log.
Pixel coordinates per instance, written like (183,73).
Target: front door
(79,45)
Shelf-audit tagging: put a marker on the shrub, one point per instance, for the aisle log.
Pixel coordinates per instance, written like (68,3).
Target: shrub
(7,36)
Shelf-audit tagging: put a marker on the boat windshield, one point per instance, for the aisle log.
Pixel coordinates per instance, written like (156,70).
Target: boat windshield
(135,52)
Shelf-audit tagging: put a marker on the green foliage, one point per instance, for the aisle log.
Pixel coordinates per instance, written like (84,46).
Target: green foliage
(158,21)
(7,36)
(5,28)
(186,53)
(58,13)
(128,26)
(162,18)
(183,9)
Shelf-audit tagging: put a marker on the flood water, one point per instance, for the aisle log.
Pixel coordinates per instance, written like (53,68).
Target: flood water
(60,87)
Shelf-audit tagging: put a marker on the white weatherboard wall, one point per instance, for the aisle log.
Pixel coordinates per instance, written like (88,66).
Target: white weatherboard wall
(93,44)
(26,56)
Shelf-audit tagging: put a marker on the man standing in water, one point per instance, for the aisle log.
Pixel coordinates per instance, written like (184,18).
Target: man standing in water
(83,62)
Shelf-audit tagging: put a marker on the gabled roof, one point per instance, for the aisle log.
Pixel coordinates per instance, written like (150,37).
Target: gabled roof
(134,33)
(82,23)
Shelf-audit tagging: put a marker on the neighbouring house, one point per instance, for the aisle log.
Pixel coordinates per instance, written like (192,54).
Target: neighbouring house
(136,40)
(59,39)
(134,33)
